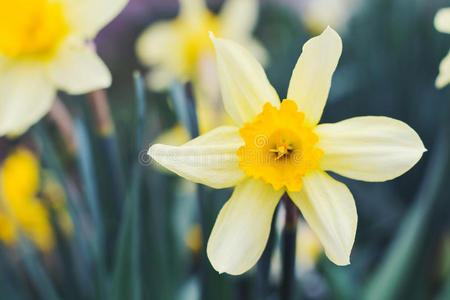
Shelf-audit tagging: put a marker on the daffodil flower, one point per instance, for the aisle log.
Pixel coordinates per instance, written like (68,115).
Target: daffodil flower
(44,46)
(180,48)
(278,148)
(21,211)
(442,24)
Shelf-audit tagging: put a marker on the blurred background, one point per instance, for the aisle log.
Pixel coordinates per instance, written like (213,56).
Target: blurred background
(100,221)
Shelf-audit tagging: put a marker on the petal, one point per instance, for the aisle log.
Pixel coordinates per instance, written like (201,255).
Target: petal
(444,72)
(26,96)
(242,228)
(88,17)
(209,159)
(442,20)
(157,44)
(329,208)
(311,78)
(77,69)
(192,10)
(369,148)
(245,87)
(238,18)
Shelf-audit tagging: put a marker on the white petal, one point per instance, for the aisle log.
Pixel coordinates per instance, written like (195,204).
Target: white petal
(242,228)
(245,87)
(26,95)
(192,10)
(238,18)
(329,208)
(88,17)
(157,44)
(442,20)
(77,69)
(369,148)
(209,159)
(444,72)
(311,78)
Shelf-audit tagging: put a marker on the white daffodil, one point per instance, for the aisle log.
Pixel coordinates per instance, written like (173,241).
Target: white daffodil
(442,24)
(44,47)
(276,148)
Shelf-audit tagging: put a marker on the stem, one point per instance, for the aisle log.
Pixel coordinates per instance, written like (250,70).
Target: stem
(60,115)
(98,101)
(289,236)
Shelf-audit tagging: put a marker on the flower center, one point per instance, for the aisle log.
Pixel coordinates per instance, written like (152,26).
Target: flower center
(31,27)
(279,147)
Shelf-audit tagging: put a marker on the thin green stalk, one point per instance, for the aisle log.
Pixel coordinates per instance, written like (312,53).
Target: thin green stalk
(289,237)
(38,276)
(89,182)
(106,134)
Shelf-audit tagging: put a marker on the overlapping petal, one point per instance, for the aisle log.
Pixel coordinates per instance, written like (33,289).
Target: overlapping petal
(88,17)
(77,69)
(311,78)
(244,84)
(25,96)
(329,208)
(242,228)
(369,148)
(442,20)
(209,159)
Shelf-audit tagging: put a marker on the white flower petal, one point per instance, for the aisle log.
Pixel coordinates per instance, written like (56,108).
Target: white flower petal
(329,208)
(444,72)
(77,69)
(245,87)
(26,96)
(192,10)
(369,148)
(311,78)
(242,228)
(209,159)
(238,18)
(88,17)
(158,43)
(442,20)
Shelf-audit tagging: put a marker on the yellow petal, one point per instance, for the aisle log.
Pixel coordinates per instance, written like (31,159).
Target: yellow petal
(238,18)
(242,228)
(444,72)
(329,208)
(88,17)
(26,95)
(77,69)
(311,78)
(369,148)
(209,159)
(244,84)
(442,20)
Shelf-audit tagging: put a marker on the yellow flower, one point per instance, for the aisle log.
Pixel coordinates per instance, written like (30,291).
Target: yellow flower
(44,46)
(179,48)
(442,24)
(279,148)
(21,212)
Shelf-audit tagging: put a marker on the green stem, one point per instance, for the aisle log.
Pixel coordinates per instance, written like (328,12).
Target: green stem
(289,237)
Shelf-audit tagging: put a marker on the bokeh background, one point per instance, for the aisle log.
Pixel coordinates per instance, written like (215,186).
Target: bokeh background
(122,228)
